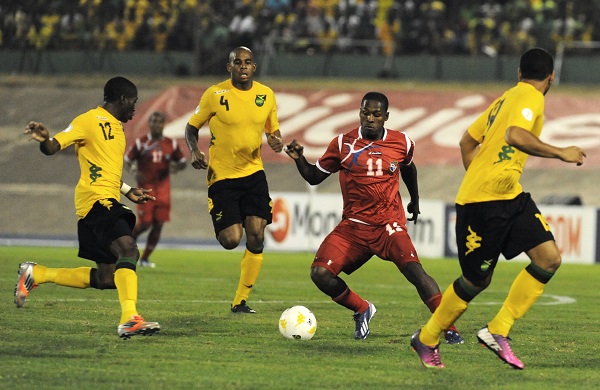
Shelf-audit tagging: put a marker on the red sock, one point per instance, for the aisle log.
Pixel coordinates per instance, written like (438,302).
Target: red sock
(349,299)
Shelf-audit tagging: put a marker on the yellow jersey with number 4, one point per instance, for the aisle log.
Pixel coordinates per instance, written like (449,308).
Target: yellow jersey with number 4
(237,120)
(100,145)
(495,171)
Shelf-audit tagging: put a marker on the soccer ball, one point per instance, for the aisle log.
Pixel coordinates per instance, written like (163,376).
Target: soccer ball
(297,323)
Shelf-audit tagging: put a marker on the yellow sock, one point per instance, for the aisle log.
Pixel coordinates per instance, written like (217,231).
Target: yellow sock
(251,265)
(126,281)
(69,277)
(523,293)
(450,309)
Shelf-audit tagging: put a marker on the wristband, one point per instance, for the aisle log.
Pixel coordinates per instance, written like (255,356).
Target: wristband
(125,189)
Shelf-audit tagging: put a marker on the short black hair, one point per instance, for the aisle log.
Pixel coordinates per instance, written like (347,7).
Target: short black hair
(377,96)
(536,64)
(233,53)
(117,87)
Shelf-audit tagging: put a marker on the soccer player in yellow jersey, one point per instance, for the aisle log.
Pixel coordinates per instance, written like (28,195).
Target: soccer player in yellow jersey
(238,111)
(494,216)
(105,225)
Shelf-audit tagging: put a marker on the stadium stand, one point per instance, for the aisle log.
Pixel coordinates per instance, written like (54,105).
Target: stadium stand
(462,27)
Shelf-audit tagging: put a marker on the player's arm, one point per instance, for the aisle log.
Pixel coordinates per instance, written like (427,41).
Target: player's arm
(275,141)
(308,171)
(469,147)
(199,160)
(528,143)
(409,177)
(39,132)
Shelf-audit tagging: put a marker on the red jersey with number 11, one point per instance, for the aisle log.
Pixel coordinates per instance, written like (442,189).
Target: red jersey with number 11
(369,173)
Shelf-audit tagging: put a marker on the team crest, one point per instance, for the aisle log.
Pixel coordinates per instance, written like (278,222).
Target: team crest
(260,100)
(393,166)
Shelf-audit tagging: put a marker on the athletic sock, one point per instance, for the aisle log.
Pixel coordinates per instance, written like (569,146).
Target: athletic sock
(250,268)
(524,292)
(449,310)
(432,304)
(126,280)
(351,300)
(68,277)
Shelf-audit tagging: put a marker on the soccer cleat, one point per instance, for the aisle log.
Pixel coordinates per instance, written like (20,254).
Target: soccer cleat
(453,337)
(430,356)
(242,308)
(500,346)
(362,322)
(146,263)
(137,326)
(25,283)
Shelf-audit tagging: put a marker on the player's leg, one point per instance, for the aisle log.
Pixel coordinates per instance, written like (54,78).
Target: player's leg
(151,243)
(145,219)
(223,206)
(113,227)
(31,275)
(399,249)
(479,240)
(430,294)
(342,251)
(256,210)
(531,234)
(251,264)
(126,282)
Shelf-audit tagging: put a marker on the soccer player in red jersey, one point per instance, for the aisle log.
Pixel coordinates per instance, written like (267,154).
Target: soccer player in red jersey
(153,158)
(370,159)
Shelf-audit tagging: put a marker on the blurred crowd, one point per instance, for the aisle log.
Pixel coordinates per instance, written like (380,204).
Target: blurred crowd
(465,27)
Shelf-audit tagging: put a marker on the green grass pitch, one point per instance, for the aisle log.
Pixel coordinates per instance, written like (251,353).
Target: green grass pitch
(66,338)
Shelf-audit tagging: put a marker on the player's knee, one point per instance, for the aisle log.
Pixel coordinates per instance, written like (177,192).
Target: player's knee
(229,242)
(320,275)
(546,256)
(255,239)
(552,263)
(131,251)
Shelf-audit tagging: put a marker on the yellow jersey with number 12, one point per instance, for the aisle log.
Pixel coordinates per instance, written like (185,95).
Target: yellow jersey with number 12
(100,146)
(237,120)
(495,171)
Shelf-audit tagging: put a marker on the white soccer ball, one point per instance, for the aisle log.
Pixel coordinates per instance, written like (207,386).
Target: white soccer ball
(297,323)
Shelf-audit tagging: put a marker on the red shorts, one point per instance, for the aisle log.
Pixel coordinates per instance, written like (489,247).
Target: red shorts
(158,210)
(352,244)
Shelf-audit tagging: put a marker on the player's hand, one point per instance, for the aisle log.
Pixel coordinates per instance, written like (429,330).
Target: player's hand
(37,132)
(275,142)
(139,195)
(573,154)
(294,150)
(199,160)
(413,208)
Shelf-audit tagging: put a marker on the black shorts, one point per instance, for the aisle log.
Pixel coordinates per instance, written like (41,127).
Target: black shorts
(230,201)
(487,229)
(107,220)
